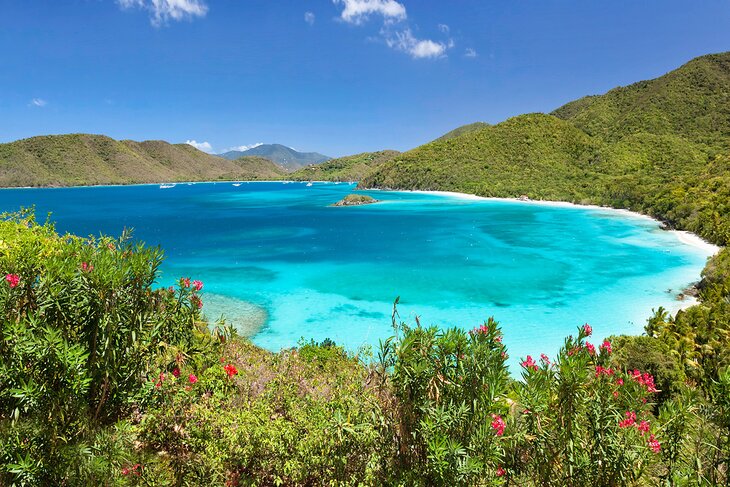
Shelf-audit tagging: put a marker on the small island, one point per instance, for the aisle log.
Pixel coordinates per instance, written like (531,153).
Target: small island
(355,200)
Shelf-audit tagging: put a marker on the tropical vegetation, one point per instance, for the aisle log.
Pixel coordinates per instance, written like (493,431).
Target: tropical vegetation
(108,379)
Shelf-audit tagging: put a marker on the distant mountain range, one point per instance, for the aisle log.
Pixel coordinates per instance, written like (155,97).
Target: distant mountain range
(85,159)
(284,156)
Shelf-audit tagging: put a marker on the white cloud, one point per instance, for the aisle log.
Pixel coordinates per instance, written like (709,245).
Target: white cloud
(162,11)
(204,146)
(38,102)
(418,48)
(309,18)
(243,148)
(358,11)
(444,28)
(469,52)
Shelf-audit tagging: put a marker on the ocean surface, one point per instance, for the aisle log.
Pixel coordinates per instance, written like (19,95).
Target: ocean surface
(281,264)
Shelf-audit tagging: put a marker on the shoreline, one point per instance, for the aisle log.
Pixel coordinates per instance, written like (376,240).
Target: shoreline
(684,236)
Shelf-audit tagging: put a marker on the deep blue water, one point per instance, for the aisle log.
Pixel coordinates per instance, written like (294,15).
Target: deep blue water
(282,264)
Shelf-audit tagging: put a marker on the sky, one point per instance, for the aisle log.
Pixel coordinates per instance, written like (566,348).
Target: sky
(332,76)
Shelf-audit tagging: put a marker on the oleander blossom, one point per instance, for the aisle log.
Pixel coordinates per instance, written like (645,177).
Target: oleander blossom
(529,363)
(230,369)
(500,472)
(591,348)
(606,346)
(645,379)
(654,444)
(192,378)
(643,427)
(629,421)
(480,329)
(587,329)
(544,359)
(198,285)
(176,372)
(13,280)
(498,424)
(185,281)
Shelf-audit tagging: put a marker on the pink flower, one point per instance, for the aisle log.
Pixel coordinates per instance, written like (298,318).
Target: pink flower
(587,329)
(654,444)
(196,301)
(629,421)
(86,267)
(125,471)
(480,329)
(643,427)
(231,370)
(198,285)
(620,381)
(185,281)
(498,424)
(500,472)
(606,346)
(176,372)
(13,280)
(591,349)
(544,359)
(192,379)
(615,394)
(529,363)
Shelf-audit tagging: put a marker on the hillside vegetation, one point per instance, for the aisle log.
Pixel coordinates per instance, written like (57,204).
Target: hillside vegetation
(464,129)
(83,159)
(258,168)
(348,168)
(284,156)
(659,147)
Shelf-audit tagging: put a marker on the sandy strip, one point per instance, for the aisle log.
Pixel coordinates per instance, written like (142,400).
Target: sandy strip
(683,236)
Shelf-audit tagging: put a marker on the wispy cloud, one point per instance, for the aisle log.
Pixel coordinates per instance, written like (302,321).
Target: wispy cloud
(204,146)
(358,11)
(38,102)
(418,48)
(309,18)
(243,148)
(162,11)
(469,52)
(395,31)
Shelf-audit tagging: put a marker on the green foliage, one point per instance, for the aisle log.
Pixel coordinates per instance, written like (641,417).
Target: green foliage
(81,331)
(445,388)
(464,129)
(84,159)
(349,168)
(579,421)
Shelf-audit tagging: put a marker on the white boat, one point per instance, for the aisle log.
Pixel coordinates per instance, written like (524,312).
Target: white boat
(167,185)
(236,184)
(309,184)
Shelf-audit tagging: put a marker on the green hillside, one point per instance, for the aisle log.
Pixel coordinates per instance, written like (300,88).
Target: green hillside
(348,168)
(84,159)
(692,101)
(286,157)
(258,168)
(658,146)
(464,129)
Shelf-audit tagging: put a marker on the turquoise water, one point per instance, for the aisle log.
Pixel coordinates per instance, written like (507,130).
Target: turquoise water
(282,264)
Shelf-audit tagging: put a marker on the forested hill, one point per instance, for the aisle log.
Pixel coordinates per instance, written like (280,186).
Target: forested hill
(348,168)
(284,156)
(84,159)
(658,146)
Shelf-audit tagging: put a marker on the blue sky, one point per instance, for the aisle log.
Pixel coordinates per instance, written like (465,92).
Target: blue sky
(333,76)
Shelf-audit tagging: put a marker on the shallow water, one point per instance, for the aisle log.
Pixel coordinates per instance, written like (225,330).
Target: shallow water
(283,264)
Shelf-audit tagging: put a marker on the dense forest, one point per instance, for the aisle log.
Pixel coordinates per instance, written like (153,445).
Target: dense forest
(106,379)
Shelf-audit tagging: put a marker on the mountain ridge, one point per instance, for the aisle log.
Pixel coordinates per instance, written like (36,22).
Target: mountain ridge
(288,158)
